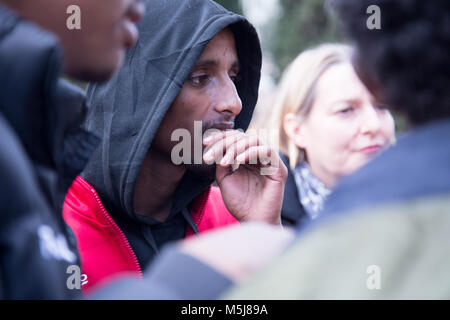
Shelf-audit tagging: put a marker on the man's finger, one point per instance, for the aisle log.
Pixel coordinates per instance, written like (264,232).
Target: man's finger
(239,147)
(260,155)
(217,150)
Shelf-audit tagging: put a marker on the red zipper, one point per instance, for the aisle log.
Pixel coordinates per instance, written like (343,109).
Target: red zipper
(122,235)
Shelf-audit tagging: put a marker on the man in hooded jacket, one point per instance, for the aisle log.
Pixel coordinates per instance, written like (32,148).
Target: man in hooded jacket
(195,61)
(385,229)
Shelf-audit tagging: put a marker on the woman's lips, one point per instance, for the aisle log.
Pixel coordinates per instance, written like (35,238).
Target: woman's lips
(370,149)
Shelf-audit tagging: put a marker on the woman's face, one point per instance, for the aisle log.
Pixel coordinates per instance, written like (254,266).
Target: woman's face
(345,127)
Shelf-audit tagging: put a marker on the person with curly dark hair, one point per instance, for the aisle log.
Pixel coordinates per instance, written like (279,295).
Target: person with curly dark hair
(407,59)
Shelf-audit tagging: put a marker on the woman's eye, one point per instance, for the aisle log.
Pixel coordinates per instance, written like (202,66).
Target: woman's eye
(346,110)
(381,107)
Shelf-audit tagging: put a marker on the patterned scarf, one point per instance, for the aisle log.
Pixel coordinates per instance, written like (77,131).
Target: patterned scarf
(311,191)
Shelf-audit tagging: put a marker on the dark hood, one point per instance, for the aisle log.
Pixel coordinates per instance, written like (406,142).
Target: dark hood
(127,110)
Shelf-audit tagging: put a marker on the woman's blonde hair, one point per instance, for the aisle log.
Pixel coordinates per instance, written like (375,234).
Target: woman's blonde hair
(296,91)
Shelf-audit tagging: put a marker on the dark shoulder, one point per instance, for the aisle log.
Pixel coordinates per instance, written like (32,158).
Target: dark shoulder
(19,189)
(292,212)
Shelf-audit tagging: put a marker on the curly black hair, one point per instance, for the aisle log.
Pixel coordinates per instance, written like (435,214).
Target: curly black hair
(408,58)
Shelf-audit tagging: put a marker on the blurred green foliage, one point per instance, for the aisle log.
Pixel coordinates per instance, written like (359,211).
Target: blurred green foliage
(300,25)
(232,5)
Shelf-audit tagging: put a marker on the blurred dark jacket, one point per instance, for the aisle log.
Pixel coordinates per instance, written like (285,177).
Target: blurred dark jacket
(43,149)
(292,212)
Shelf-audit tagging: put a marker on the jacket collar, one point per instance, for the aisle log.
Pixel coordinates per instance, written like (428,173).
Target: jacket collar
(292,212)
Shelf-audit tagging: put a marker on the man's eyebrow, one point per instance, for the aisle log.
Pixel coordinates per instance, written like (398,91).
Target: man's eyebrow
(213,63)
(206,63)
(236,64)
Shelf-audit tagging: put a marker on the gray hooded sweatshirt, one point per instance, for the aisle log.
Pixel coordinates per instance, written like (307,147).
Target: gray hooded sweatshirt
(127,111)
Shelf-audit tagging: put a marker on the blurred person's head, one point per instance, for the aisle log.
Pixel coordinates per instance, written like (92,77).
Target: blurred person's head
(327,117)
(97,50)
(406,62)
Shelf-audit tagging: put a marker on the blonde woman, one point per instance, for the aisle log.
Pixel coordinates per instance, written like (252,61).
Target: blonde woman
(329,125)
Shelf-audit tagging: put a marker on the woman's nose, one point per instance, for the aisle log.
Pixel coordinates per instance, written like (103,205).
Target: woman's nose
(371,120)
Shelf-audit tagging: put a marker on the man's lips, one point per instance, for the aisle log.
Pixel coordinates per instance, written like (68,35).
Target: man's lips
(370,149)
(222,126)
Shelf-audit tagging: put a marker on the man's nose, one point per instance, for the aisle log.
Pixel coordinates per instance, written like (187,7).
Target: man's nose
(228,98)
(371,121)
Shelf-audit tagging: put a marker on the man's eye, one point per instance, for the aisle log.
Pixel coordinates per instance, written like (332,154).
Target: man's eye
(234,77)
(200,80)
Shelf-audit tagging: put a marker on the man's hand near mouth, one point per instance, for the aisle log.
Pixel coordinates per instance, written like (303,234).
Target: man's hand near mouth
(250,175)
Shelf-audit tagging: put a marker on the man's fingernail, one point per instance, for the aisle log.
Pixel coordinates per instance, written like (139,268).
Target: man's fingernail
(208,139)
(208,156)
(224,161)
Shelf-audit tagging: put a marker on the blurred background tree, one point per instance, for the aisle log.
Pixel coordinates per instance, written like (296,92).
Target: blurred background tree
(232,5)
(300,25)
